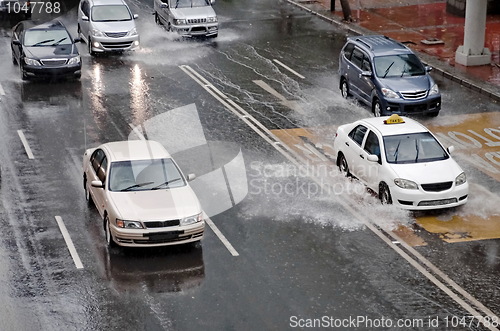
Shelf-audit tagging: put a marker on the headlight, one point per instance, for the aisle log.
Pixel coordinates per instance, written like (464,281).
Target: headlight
(129,224)
(97,33)
(132,32)
(212,19)
(31,62)
(405,183)
(461,179)
(388,93)
(191,219)
(179,22)
(434,89)
(74,60)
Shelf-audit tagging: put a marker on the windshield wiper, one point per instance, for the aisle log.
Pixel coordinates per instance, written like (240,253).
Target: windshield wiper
(404,70)
(166,183)
(136,185)
(59,41)
(416,147)
(396,152)
(388,68)
(42,42)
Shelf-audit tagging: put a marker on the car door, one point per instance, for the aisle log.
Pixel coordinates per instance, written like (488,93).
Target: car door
(369,170)
(353,149)
(84,10)
(97,171)
(360,84)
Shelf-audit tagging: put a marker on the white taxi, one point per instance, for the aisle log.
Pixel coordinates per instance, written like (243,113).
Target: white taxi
(141,194)
(401,161)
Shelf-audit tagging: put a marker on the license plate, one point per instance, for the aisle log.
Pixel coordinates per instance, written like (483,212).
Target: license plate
(164,235)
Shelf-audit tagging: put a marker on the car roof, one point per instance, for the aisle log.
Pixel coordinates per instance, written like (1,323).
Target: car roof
(107,2)
(33,24)
(381,45)
(409,126)
(135,150)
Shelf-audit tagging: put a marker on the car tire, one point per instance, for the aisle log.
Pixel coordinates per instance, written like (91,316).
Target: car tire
(169,27)
(343,166)
(376,108)
(23,73)
(344,88)
(88,197)
(384,194)
(91,52)
(157,18)
(14,61)
(107,233)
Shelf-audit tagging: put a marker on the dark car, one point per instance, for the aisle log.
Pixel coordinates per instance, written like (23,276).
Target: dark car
(387,76)
(45,50)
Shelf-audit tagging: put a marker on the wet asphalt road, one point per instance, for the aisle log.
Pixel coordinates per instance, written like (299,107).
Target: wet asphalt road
(300,255)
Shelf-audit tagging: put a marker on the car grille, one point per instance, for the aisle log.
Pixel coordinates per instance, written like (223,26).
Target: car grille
(197,20)
(54,62)
(437,187)
(117,45)
(437,202)
(414,95)
(115,34)
(161,224)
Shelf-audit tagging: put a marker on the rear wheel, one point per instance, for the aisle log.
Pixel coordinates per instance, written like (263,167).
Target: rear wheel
(384,194)
(344,88)
(107,232)
(343,166)
(376,108)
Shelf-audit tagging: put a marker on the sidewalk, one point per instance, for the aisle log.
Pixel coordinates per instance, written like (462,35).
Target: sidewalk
(417,20)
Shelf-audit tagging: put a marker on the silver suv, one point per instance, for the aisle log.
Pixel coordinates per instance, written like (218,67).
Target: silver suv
(187,17)
(107,26)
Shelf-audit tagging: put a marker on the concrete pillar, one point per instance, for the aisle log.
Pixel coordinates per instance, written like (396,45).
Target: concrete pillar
(473,52)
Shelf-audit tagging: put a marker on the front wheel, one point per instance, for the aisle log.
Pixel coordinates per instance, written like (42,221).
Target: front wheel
(91,52)
(344,89)
(157,19)
(23,73)
(107,232)
(384,194)
(376,108)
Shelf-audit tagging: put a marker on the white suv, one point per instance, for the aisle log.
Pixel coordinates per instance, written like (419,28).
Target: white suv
(107,26)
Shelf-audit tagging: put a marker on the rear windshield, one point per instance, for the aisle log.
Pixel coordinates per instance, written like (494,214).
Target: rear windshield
(413,148)
(110,13)
(398,66)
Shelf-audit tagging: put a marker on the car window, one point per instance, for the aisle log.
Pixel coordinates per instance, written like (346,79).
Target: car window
(413,148)
(141,175)
(372,145)
(85,8)
(358,133)
(357,58)
(366,66)
(348,50)
(96,159)
(398,66)
(110,13)
(101,173)
(17,31)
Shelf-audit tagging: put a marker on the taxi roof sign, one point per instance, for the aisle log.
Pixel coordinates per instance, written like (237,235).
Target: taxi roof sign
(394,119)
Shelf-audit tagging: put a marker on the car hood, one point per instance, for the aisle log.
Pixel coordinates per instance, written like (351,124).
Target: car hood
(166,204)
(412,83)
(193,13)
(117,26)
(428,172)
(42,52)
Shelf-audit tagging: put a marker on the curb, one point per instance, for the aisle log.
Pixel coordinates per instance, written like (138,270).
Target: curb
(481,87)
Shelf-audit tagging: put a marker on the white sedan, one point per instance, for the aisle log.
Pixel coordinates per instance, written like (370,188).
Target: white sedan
(402,161)
(141,195)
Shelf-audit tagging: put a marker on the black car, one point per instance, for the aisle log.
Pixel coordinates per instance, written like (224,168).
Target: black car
(45,50)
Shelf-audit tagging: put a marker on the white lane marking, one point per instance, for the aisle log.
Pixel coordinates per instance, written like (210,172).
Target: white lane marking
(269,137)
(2,92)
(222,238)
(69,242)
(25,144)
(289,69)
(269,89)
(137,131)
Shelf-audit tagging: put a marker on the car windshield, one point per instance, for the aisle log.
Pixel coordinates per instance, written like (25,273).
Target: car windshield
(110,13)
(144,175)
(398,66)
(46,37)
(413,148)
(189,3)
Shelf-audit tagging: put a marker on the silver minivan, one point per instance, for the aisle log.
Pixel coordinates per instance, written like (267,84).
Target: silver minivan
(187,17)
(107,26)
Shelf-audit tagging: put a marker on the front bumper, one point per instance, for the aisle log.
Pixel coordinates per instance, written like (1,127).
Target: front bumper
(193,30)
(107,44)
(174,235)
(425,200)
(429,105)
(74,71)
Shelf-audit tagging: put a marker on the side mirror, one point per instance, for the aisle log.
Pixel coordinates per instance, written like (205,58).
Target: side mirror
(85,18)
(428,69)
(190,177)
(372,158)
(136,16)
(16,42)
(163,5)
(97,183)
(78,40)
(451,149)
(365,74)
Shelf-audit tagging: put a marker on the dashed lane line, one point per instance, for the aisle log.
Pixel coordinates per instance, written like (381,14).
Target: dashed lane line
(69,242)
(25,144)
(289,69)
(2,91)
(221,237)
